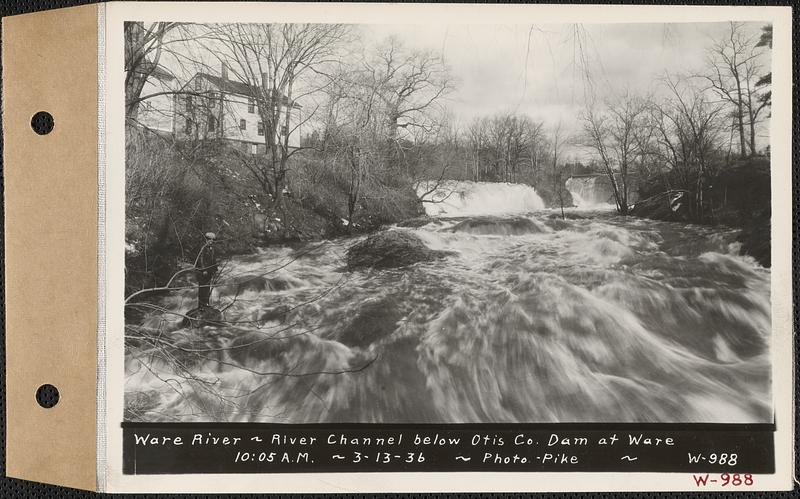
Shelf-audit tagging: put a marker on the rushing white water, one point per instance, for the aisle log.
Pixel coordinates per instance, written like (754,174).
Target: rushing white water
(459,199)
(531,318)
(590,192)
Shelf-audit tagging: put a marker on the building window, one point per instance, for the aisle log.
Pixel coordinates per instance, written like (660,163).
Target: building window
(212,123)
(261,128)
(242,124)
(253,148)
(198,85)
(251,106)
(285,130)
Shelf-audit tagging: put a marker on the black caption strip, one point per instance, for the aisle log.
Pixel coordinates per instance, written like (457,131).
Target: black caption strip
(177,448)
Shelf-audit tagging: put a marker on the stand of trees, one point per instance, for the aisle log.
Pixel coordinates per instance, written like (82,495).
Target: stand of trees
(378,137)
(699,130)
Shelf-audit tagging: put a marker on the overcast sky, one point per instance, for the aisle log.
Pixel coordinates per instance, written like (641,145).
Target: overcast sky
(537,70)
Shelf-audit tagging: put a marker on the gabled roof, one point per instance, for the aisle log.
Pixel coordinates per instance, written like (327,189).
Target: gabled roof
(237,87)
(227,86)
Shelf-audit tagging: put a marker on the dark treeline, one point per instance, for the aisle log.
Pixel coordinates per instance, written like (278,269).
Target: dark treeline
(375,131)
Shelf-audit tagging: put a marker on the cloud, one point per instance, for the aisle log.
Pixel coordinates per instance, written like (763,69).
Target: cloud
(547,70)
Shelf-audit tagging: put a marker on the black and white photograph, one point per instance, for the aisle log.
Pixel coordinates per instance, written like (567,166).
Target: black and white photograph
(448,223)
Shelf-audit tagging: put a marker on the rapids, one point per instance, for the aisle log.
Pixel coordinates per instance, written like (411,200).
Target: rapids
(533,318)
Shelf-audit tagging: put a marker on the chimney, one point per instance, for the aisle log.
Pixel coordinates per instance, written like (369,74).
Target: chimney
(224,72)
(265,81)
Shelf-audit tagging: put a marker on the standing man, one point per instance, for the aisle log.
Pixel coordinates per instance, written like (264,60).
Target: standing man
(206,266)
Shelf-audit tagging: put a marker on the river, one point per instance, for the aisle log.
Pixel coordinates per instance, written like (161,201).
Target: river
(532,318)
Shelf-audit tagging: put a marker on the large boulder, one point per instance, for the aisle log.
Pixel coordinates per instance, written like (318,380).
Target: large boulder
(388,249)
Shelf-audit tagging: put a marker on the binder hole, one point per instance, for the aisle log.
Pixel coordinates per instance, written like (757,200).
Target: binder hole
(42,123)
(47,396)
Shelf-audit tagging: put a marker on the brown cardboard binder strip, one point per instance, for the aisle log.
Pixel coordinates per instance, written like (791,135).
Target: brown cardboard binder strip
(50,64)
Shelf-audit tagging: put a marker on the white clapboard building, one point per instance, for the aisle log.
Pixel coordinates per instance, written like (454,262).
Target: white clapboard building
(216,107)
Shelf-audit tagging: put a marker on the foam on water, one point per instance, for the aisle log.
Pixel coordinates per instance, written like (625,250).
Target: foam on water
(587,193)
(587,319)
(458,199)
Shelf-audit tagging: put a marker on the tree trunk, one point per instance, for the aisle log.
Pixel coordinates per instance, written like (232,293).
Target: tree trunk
(752,129)
(622,209)
(740,124)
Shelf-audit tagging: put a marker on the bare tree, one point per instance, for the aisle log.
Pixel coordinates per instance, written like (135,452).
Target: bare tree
(612,132)
(355,130)
(273,61)
(383,111)
(537,144)
(688,128)
(438,156)
(734,70)
(505,147)
(410,85)
(143,48)
(477,138)
(558,183)
(154,53)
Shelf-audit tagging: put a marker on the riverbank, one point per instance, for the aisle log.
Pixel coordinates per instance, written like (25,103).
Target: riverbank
(176,192)
(738,197)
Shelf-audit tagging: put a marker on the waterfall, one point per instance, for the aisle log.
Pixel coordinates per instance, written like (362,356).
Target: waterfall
(591,192)
(596,192)
(464,198)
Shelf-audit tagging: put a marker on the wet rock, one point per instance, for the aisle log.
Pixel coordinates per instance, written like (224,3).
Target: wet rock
(389,249)
(202,316)
(498,226)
